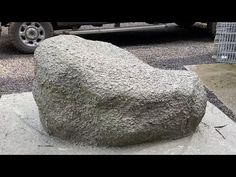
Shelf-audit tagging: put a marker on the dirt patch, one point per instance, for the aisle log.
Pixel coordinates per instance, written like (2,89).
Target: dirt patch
(220,79)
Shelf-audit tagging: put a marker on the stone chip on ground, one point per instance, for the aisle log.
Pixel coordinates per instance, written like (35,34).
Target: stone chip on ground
(95,93)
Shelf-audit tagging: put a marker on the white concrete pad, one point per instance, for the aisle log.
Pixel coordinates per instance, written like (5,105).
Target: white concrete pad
(21,133)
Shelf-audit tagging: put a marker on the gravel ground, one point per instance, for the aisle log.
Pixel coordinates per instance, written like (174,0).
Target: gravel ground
(167,48)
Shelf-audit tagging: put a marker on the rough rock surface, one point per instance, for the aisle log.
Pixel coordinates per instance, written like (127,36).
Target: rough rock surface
(96,93)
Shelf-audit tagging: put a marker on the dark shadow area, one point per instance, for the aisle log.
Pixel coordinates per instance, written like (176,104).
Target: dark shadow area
(152,36)
(7,50)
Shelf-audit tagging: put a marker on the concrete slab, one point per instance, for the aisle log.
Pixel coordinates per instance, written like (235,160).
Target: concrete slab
(22,133)
(220,79)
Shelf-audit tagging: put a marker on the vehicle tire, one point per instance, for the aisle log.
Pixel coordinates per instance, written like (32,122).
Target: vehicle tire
(211,28)
(26,36)
(185,24)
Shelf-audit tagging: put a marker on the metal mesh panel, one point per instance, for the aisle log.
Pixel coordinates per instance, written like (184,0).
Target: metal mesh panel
(225,42)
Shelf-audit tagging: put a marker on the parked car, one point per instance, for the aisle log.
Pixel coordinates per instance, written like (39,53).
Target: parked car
(26,36)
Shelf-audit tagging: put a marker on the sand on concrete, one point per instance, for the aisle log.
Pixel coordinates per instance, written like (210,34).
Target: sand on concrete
(220,79)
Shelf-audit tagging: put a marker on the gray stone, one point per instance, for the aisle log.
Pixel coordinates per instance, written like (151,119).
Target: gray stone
(96,93)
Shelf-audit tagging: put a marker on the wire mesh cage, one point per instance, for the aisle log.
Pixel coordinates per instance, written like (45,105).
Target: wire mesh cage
(225,42)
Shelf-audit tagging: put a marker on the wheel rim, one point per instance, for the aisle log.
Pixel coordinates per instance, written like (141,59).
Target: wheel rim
(31,33)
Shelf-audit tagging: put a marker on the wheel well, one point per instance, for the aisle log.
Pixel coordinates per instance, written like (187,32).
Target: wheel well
(4,23)
(54,25)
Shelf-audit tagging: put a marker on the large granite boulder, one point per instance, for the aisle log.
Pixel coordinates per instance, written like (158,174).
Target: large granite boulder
(96,93)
